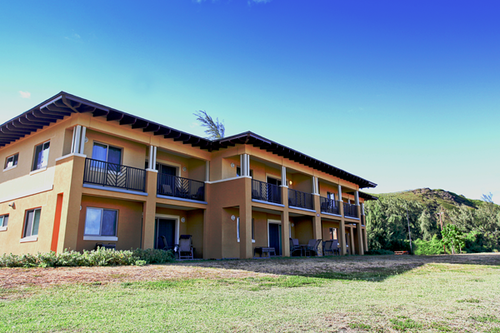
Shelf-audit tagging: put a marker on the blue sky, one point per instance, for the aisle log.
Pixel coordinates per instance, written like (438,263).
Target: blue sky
(403,93)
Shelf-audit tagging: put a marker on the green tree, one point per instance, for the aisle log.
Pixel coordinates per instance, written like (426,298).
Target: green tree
(214,128)
(427,225)
(453,238)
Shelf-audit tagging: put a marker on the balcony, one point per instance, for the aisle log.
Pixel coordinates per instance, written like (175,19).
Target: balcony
(114,175)
(178,187)
(300,199)
(266,192)
(350,210)
(329,206)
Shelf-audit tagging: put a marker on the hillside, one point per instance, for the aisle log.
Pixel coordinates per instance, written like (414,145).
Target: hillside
(434,198)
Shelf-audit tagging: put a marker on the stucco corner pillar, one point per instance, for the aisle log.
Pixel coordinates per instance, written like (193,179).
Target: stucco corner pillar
(246,222)
(342,238)
(352,247)
(317,232)
(359,236)
(149,210)
(68,180)
(365,239)
(285,223)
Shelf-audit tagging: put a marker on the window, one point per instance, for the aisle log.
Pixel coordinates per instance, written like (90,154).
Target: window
(238,172)
(330,196)
(4,219)
(31,223)
(11,161)
(333,233)
(100,222)
(106,153)
(41,156)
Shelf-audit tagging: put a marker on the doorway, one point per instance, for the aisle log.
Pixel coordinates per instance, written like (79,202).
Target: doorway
(274,235)
(165,228)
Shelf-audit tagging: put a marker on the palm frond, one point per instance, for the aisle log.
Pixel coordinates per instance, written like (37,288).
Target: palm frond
(214,129)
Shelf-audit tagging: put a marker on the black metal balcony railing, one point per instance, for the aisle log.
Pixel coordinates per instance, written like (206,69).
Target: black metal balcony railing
(266,192)
(114,175)
(329,206)
(300,199)
(179,187)
(350,210)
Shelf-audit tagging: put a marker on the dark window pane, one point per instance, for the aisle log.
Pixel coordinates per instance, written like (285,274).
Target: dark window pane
(99,152)
(115,155)
(108,223)
(3,220)
(36,222)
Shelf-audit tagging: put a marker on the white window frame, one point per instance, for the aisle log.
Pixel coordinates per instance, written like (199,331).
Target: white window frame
(31,237)
(238,229)
(14,160)
(4,220)
(271,221)
(35,162)
(177,219)
(100,237)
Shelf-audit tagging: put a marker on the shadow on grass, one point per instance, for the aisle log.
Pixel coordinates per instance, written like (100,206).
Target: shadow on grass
(363,268)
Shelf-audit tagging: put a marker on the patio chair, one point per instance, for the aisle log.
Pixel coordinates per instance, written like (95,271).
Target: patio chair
(186,250)
(327,247)
(312,246)
(167,190)
(167,246)
(335,247)
(294,246)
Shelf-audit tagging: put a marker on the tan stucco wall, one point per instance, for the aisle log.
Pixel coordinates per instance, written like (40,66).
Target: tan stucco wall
(261,227)
(326,225)
(10,238)
(303,229)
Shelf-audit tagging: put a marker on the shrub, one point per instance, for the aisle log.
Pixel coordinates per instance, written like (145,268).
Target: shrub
(99,257)
(434,246)
(378,252)
(154,256)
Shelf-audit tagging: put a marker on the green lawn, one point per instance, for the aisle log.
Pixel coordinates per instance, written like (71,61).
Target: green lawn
(434,296)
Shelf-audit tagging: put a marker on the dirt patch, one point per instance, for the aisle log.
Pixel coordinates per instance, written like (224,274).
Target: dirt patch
(221,269)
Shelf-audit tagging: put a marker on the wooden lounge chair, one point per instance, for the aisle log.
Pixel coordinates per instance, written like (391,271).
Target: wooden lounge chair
(186,250)
(312,246)
(294,246)
(328,247)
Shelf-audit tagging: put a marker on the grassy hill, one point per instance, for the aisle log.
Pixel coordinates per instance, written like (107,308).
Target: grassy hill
(434,198)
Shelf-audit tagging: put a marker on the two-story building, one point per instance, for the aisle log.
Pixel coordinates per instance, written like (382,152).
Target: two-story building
(76,173)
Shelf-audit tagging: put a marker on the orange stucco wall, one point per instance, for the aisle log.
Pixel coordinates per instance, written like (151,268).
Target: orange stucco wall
(129,222)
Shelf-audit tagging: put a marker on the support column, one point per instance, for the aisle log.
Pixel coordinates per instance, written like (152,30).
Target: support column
(246,222)
(283,177)
(352,249)
(152,158)
(67,198)
(285,219)
(78,141)
(342,239)
(245,165)
(365,239)
(317,231)
(207,171)
(149,210)
(359,234)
